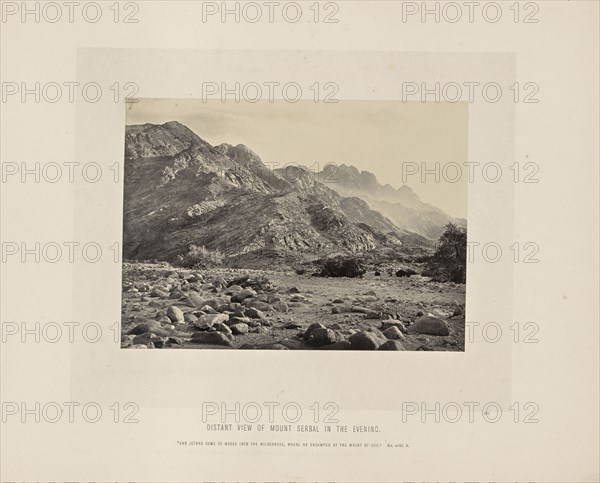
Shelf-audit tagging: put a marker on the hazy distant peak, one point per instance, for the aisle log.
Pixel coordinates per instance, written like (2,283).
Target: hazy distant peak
(239,153)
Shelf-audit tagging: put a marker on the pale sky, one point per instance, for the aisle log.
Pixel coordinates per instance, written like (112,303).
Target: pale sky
(376,136)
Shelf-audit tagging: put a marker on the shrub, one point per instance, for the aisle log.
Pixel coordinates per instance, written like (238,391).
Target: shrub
(449,262)
(405,272)
(256,283)
(200,257)
(341,267)
(301,271)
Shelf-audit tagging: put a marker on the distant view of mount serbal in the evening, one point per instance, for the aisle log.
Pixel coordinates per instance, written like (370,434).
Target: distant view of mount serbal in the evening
(222,251)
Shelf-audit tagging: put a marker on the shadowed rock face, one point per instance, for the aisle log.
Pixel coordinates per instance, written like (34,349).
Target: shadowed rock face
(180,190)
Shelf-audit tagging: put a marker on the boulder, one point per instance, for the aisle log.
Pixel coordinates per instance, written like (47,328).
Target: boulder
(149,326)
(365,341)
(321,336)
(221,327)
(254,313)
(194,300)
(144,338)
(258,304)
(430,325)
(280,306)
(341,309)
(238,329)
(175,314)
(207,309)
(363,310)
(234,288)
(391,345)
(211,338)
(393,323)
(190,318)
(312,327)
(242,295)
(393,333)
(214,303)
(205,322)
(337,346)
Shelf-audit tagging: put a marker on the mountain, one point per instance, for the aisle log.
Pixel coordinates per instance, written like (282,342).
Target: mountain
(150,140)
(180,190)
(401,205)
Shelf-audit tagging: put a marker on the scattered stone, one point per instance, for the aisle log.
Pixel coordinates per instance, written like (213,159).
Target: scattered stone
(159,293)
(292,325)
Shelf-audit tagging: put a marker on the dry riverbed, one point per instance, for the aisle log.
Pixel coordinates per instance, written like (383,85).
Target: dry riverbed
(164,307)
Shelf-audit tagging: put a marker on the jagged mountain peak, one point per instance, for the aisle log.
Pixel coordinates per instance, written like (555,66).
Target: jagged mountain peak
(159,140)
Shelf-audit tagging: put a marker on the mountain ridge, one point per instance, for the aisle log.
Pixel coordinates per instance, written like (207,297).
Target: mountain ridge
(180,190)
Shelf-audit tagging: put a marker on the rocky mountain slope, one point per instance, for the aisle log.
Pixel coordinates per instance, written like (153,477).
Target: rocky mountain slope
(180,190)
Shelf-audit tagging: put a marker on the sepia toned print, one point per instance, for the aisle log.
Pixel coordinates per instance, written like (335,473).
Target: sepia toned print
(225,248)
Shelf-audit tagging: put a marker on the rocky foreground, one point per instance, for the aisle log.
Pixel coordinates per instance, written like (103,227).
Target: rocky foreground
(249,309)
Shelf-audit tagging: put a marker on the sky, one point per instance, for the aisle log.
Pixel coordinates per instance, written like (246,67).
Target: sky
(387,138)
